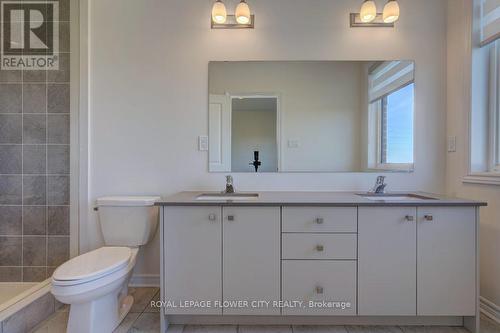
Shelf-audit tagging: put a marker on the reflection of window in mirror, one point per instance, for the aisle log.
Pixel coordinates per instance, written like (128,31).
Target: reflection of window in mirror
(397,127)
(391,91)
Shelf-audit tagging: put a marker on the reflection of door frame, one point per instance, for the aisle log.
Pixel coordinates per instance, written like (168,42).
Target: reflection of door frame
(278,98)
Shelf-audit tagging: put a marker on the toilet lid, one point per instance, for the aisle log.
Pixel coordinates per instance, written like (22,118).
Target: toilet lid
(93,264)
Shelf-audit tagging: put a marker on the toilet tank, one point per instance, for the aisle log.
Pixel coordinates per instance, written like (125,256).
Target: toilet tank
(128,220)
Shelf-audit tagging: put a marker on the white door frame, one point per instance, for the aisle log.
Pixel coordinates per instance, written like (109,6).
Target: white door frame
(79,156)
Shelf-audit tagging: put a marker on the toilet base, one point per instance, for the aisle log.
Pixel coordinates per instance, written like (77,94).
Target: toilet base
(102,315)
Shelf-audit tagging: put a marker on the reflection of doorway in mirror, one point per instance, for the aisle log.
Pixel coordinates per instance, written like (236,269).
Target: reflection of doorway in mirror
(254,133)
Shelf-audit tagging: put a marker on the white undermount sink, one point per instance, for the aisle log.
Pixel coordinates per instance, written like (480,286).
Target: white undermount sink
(227,196)
(395,197)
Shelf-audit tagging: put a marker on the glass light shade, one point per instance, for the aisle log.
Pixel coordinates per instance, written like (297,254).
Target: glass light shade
(242,13)
(368,11)
(219,12)
(391,11)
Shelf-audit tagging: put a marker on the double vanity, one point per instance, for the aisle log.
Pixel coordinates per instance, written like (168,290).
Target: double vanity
(319,258)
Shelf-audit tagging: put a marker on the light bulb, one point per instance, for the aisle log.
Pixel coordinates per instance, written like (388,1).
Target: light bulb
(391,11)
(368,11)
(242,13)
(219,12)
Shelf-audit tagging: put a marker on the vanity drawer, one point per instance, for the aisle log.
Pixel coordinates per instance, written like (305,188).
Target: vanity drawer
(315,281)
(319,246)
(320,219)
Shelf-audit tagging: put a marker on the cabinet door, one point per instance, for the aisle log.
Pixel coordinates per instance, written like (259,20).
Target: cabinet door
(251,258)
(446,261)
(192,258)
(387,261)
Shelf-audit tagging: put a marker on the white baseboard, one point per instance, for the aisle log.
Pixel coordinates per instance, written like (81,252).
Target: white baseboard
(489,309)
(145,280)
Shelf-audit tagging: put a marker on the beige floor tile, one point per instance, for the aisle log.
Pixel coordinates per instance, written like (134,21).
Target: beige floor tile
(489,326)
(142,297)
(264,329)
(413,329)
(319,329)
(373,329)
(127,322)
(175,329)
(55,324)
(146,323)
(442,329)
(210,329)
(433,329)
(150,308)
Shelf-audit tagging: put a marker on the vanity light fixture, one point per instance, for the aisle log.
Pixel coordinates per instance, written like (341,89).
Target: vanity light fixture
(368,16)
(242,19)
(391,11)
(242,13)
(368,11)
(219,13)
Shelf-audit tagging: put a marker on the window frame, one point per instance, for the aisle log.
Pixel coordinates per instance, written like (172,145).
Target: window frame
(494,110)
(481,165)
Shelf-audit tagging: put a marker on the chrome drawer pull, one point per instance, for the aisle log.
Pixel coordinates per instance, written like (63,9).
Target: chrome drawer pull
(319,220)
(428,217)
(409,218)
(320,248)
(230,217)
(212,217)
(319,290)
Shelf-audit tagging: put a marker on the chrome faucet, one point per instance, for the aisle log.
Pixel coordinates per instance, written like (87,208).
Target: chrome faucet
(380,185)
(229,185)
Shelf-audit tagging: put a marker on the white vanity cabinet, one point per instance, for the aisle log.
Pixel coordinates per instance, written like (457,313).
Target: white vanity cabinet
(251,258)
(192,258)
(417,261)
(319,260)
(345,260)
(446,261)
(222,254)
(387,261)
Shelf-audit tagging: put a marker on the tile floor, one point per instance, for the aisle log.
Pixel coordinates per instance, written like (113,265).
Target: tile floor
(144,319)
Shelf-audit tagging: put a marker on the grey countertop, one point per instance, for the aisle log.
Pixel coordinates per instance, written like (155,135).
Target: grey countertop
(302,198)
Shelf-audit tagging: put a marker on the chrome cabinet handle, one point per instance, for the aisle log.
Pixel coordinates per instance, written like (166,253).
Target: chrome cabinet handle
(409,218)
(212,217)
(319,290)
(320,248)
(428,217)
(319,220)
(230,217)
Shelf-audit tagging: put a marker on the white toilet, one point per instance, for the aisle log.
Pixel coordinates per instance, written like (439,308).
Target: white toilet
(95,283)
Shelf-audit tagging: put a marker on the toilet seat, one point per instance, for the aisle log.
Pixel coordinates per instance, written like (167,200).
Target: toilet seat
(92,265)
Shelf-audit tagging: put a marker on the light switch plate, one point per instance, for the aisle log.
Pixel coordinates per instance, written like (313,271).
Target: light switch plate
(293,143)
(203,143)
(452,144)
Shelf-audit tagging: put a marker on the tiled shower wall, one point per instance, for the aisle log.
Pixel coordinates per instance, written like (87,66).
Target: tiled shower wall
(34,166)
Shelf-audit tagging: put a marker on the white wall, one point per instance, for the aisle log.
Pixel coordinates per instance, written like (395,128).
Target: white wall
(149,81)
(320,108)
(458,91)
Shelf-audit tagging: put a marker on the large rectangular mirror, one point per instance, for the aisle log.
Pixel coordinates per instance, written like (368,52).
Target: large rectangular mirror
(311,116)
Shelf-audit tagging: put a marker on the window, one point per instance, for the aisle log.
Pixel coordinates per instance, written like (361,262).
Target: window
(484,126)
(397,127)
